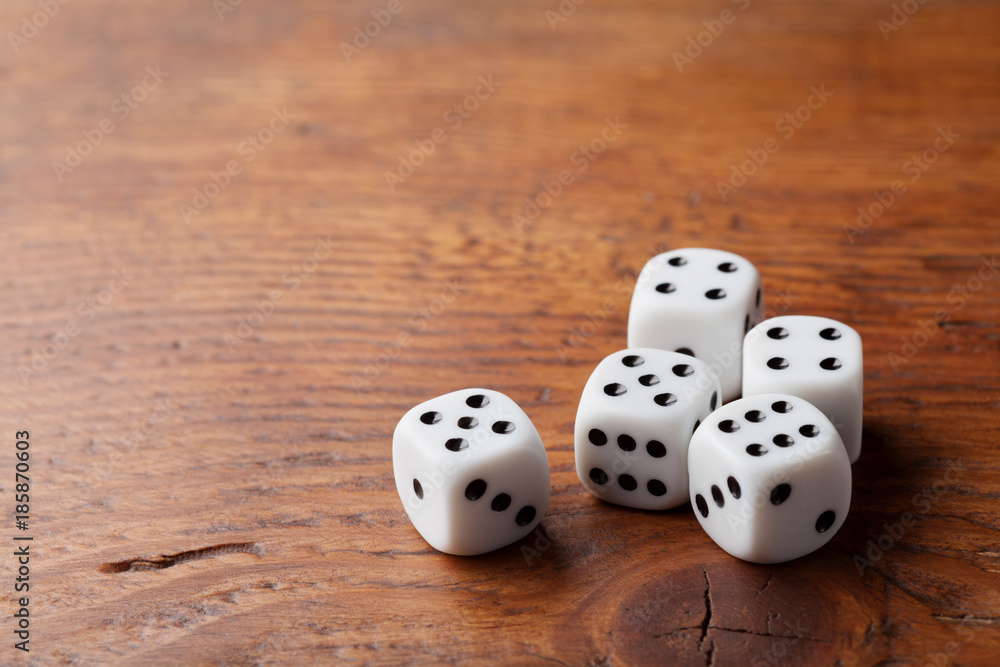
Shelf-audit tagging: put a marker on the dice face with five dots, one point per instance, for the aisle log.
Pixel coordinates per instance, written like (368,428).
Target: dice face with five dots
(814,358)
(635,420)
(471,471)
(770,478)
(699,301)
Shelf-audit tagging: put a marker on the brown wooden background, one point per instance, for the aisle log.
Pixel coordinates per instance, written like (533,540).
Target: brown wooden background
(154,434)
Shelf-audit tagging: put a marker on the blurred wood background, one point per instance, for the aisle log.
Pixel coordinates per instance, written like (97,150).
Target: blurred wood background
(221,289)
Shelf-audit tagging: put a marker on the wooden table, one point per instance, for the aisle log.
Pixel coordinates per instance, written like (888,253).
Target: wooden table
(238,245)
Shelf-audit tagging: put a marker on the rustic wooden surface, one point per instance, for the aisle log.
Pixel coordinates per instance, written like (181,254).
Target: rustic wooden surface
(211,430)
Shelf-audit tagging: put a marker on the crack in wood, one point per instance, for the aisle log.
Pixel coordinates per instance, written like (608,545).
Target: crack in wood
(706,622)
(164,561)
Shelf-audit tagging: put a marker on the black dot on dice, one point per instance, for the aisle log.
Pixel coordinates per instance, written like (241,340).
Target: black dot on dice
(782,440)
(734,487)
(664,400)
(627,482)
(503,427)
(757,298)
(477,401)
(626,442)
(683,370)
(716,294)
(525,515)
(649,380)
(456,444)
(702,506)
(677,261)
(431,417)
(825,520)
(728,426)
(614,389)
(727,267)
(809,430)
(476,489)
(666,288)
(746,324)
(717,496)
(777,363)
(685,350)
(656,487)
(830,364)
(696,425)
(829,334)
(755,416)
(598,476)
(468,422)
(633,360)
(756,450)
(777,333)
(417,489)
(780,493)
(597,437)
(714,401)
(502,502)
(656,449)
(781,406)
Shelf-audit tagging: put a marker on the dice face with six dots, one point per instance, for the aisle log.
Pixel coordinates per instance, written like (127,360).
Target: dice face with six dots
(471,471)
(770,478)
(700,301)
(814,358)
(635,420)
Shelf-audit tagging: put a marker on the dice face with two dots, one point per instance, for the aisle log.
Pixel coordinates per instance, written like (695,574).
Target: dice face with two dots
(635,420)
(770,478)
(471,471)
(700,301)
(814,358)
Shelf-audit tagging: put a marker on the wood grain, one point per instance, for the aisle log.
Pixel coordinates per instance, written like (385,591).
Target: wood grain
(234,378)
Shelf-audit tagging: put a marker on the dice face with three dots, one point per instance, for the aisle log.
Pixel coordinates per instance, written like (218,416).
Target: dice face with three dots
(770,478)
(699,301)
(814,358)
(471,471)
(635,420)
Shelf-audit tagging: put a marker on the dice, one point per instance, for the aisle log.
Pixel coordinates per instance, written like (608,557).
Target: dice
(471,471)
(770,478)
(814,358)
(701,302)
(635,420)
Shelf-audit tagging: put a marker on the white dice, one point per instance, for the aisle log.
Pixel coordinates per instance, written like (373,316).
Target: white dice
(770,478)
(814,358)
(635,420)
(471,471)
(698,301)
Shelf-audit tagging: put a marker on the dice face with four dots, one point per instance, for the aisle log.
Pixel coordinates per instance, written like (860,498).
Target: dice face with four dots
(770,478)
(471,471)
(814,358)
(635,420)
(701,302)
